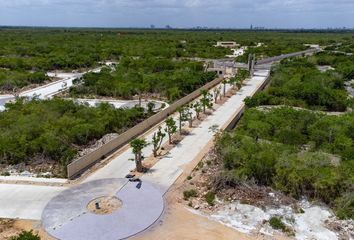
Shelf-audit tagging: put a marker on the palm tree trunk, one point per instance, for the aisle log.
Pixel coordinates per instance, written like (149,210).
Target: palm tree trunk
(139,165)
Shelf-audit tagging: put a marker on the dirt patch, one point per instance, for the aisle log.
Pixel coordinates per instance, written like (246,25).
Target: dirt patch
(9,228)
(104,205)
(38,168)
(179,223)
(205,178)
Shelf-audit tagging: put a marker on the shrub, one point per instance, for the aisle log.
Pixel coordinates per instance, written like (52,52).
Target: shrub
(189,193)
(344,206)
(210,198)
(26,235)
(277,224)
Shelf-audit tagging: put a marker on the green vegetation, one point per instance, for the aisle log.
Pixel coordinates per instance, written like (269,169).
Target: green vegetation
(277,224)
(344,206)
(171,128)
(137,146)
(157,139)
(345,46)
(10,80)
(206,101)
(340,62)
(297,82)
(210,198)
(26,235)
(160,76)
(189,193)
(297,152)
(56,129)
(40,50)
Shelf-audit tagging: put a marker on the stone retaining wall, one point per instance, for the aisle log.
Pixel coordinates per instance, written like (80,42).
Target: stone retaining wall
(79,165)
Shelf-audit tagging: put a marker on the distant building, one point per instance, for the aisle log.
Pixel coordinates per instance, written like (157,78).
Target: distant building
(226,69)
(312,45)
(227,44)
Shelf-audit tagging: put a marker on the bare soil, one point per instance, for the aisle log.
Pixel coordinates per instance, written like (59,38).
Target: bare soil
(179,222)
(40,167)
(107,205)
(10,227)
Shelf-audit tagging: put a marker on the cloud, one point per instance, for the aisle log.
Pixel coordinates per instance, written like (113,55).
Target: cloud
(228,13)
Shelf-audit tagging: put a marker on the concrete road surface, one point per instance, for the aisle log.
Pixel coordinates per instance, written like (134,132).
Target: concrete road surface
(25,201)
(28,202)
(167,170)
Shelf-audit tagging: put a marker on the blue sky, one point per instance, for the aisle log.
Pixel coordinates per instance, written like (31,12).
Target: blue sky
(179,13)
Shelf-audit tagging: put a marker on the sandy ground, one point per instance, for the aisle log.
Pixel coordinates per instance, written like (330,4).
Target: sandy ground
(178,223)
(9,228)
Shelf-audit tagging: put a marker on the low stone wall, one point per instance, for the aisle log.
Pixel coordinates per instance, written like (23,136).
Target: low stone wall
(79,165)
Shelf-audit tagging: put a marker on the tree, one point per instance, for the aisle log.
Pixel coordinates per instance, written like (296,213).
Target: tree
(216,93)
(224,82)
(197,108)
(189,115)
(157,139)
(183,116)
(137,146)
(206,100)
(239,83)
(171,128)
(150,107)
(173,93)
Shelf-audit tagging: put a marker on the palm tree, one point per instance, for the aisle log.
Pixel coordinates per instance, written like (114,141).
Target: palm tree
(137,146)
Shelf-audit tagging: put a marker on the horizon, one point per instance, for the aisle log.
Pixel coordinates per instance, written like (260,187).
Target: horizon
(196,28)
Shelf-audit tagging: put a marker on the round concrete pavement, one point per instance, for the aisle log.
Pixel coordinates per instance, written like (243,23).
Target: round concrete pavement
(66,216)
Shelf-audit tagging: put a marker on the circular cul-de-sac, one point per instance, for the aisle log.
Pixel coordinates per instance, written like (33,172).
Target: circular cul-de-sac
(107,209)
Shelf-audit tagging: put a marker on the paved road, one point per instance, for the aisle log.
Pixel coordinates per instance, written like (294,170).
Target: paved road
(164,173)
(25,201)
(48,90)
(52,89)
(121,165)
(4,99)
(67,80)
(278,58)
(66,217)
(123,103)
(167,170)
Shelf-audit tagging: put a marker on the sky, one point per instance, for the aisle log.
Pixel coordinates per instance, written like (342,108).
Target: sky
(178,13)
